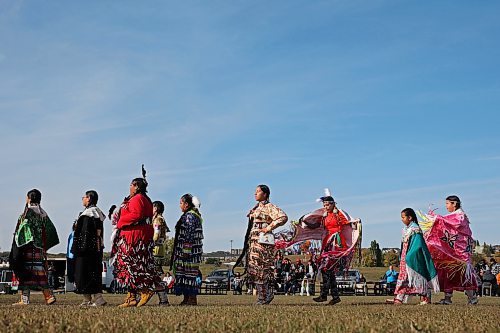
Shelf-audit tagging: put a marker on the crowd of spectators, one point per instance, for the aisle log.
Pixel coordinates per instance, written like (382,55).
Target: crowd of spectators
(488,275)
(292,278)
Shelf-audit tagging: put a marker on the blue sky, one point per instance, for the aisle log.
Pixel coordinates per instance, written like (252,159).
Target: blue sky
(391,104)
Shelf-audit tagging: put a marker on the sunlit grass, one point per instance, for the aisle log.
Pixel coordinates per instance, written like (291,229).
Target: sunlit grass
(235,313)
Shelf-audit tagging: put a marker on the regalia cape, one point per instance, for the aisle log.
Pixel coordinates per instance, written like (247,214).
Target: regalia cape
(309,227)
(450,243)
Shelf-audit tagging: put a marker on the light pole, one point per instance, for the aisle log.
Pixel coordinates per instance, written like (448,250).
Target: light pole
(231,252)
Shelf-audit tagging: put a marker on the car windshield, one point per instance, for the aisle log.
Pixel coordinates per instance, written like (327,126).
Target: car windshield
(219,273)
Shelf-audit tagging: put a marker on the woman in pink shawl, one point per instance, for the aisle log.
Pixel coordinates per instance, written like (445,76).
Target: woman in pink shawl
(450,243)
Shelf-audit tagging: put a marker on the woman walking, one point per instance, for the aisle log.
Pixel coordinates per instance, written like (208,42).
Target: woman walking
(34,235)
(264,217)
(333,246)
(134,263)
(417,273)
(160,237)
(188,249)
(87,251)
(450,243)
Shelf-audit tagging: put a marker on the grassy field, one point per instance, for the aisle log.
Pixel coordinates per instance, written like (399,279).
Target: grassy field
(234,313)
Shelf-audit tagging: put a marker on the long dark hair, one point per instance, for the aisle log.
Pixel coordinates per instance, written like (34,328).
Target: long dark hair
(160,207)
(246,245)
(456,200)
(93,197)
(141,184)
(188,198)
(35,196)
(110,212)
(411,213)
(265,189)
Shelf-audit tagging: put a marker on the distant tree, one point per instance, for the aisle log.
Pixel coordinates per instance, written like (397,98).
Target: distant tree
(476,258)
(169,248)
(357,259)
(487,250)
(367,258)
(376,253)
(212,261)
(391,257)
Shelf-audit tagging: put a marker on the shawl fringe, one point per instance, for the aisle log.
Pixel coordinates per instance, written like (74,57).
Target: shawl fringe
(470,276)
(420,283)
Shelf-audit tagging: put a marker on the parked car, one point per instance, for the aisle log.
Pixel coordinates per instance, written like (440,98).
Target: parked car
(221,276)
(7,281)
(351,275)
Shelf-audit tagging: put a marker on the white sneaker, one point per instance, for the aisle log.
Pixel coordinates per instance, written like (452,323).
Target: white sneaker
(86,303)
(301,294)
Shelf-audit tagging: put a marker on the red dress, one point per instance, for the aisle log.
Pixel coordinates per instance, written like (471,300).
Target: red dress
(132,223)
(134,264)
(333,224)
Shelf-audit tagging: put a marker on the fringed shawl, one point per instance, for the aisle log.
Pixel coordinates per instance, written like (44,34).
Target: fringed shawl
(35,226)
(419,265)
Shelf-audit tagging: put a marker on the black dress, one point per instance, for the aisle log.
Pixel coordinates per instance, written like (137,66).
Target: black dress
(87,254)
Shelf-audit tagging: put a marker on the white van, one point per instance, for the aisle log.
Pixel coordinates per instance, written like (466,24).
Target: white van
(107,276)
(64,285)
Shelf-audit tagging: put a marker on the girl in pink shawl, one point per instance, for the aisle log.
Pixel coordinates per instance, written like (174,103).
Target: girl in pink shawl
(450,243)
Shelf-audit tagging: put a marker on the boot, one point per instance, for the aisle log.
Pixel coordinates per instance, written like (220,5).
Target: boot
(24,298)
(130,300)
(446,300)
(325,287)
(98,300)
(49,296)
(261,294)
(334,290)
(472,298)
(269,294)
(87,300)
(162,296)
(334,301)
(146,295)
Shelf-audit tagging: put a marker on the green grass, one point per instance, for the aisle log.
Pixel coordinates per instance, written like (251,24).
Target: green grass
(238,314)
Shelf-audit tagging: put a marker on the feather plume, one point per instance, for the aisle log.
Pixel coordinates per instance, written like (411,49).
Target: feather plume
(143,172)
(196,202)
